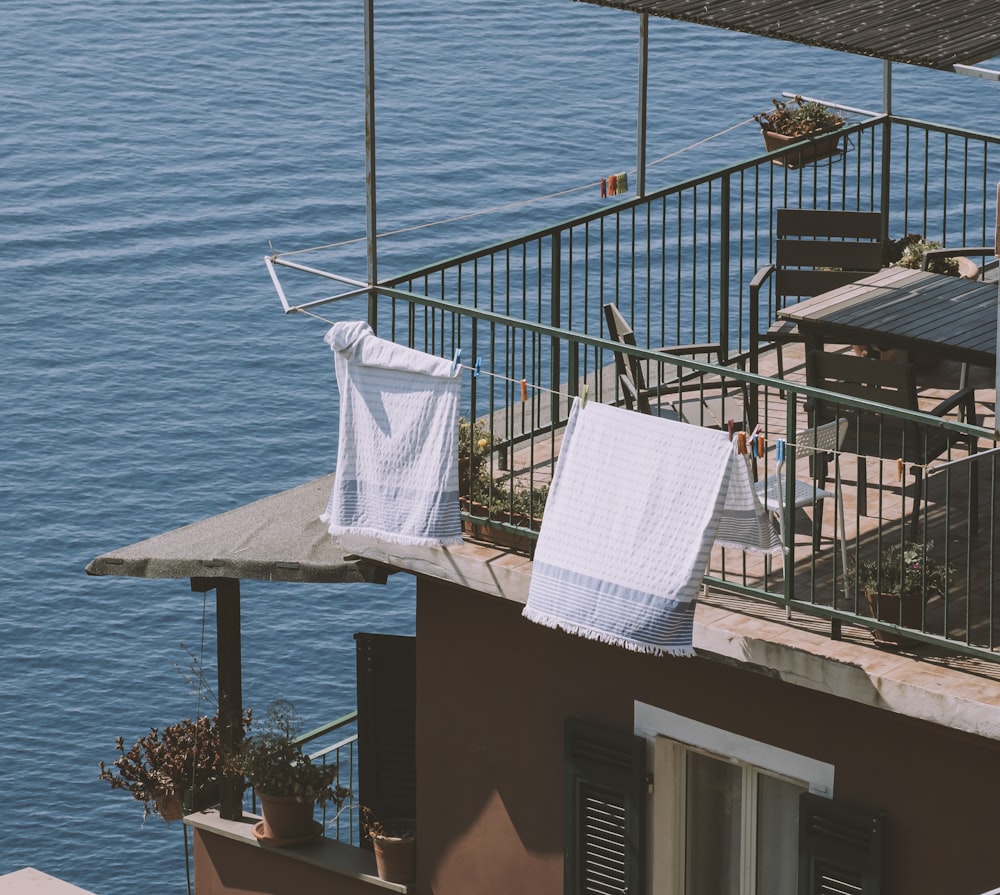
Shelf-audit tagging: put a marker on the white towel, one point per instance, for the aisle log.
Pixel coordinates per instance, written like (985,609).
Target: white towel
(635,505)
(397,456)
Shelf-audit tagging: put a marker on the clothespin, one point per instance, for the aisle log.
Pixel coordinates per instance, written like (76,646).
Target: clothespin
(741,442)
(622,186)
(753,439)
(475,369)
(779,450)
(458,357)
(899,470)
(585,395)
(731,427)
(604,188)
(524,389)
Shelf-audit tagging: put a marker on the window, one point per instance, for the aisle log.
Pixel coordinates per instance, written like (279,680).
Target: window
(727,815)
(724,814)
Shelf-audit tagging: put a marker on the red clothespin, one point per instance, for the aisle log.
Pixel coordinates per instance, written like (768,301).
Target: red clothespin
(604,188)
(524,389)
(731,428)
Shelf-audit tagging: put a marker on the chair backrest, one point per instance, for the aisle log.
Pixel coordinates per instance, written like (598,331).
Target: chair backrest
(824,438)
(885,382)
(627,367)
(819,250)
(871,379)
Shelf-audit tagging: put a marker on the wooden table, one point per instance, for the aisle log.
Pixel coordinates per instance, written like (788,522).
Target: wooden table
(941,316)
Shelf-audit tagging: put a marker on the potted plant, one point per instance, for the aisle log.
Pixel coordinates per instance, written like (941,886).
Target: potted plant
(798,120)
(285,779)
(493,500)
(895,584)
(394,844)
(474,445)
(909,252)
(172,771)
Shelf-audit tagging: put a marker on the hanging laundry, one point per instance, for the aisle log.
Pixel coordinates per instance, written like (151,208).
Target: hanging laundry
(624,545)
(397,455)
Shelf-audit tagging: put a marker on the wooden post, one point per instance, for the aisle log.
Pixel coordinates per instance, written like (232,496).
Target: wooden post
(230,672)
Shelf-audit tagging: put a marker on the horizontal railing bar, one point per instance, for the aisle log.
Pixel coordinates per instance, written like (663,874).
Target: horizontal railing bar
(329,727)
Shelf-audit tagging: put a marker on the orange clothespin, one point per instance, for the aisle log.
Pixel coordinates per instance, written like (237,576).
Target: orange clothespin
(741,442)
(524,389)
(899,470)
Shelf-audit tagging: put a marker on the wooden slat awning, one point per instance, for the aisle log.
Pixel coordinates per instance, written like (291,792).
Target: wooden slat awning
(935,35)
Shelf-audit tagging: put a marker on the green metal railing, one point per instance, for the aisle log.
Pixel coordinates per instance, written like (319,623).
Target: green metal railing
(678,264)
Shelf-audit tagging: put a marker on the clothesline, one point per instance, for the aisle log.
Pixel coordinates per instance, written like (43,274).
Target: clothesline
(753,444)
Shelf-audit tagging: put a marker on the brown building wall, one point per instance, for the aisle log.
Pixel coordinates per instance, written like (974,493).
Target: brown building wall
(225,866)
(493,691)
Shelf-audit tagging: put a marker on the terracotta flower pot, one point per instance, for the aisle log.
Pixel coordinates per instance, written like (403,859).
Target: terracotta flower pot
(395,858)
(886,608)
(287,818)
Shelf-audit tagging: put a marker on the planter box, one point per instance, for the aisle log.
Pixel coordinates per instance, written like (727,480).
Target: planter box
(499,536)
(820,144)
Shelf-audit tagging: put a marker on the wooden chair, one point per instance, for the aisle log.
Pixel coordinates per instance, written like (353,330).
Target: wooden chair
(691,396)
(873,434)
(815,251)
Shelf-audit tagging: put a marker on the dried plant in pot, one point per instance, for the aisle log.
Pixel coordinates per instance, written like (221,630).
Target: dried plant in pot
(286,780)
(395,846)
(896,583)
(172,770)
(801,121)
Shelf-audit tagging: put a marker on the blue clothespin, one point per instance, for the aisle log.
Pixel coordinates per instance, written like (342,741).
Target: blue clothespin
(779,450)
(458,357)
(475,370)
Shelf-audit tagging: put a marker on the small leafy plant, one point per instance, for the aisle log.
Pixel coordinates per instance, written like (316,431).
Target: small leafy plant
(374,828)
(903,569)
(171,761)
(798,118)
(909,252)
(274,762)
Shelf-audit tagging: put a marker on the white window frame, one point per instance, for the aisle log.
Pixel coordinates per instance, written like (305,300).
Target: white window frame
(668,737)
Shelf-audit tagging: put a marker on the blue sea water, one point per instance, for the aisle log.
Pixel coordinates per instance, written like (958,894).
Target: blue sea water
(151,153)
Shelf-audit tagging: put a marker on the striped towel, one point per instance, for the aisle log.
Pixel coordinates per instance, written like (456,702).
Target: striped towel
(397,455)
(635,506)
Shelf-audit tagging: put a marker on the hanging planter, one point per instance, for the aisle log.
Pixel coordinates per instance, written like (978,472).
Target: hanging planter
(810,124)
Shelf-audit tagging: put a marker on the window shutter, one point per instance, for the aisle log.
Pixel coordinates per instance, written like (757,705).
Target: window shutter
(605,789)
(840,848)
(387,725)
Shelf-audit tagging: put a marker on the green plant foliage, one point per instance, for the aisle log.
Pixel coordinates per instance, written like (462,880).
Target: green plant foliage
(913,248)
(274,762)
(798,118)
(903,569)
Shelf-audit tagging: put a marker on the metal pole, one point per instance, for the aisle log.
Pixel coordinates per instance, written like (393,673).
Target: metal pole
(370,216)
(640,149)
(884,199)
